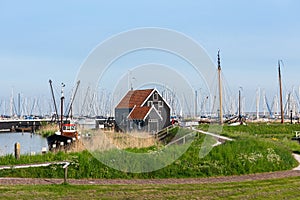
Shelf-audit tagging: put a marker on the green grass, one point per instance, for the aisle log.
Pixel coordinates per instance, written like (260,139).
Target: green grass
(247,154)
(287,188)
(262,129)
(280,133)
(47,129)
(27,159)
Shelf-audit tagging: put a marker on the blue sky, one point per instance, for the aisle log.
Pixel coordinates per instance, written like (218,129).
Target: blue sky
(42,40)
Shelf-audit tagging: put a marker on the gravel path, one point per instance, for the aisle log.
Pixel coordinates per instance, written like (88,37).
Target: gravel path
(251,177)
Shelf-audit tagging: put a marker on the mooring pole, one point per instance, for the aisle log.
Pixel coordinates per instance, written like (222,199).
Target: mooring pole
(62,107)
(257,102)
(240,115)
(220,88)
(19,105)
(280,90)
(62,114)
(196,97)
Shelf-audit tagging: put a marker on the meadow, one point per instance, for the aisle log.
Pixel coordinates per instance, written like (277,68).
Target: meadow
(256,148)
(282,134)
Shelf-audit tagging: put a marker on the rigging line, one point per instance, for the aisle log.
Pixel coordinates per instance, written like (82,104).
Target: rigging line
(286,103)
(225,92)
(228,99)
(14,105)
(213,94)
(56,97)
(254,101)
(283,70)
(268,106)
(72,93)
(297,97)
(226,83)
(33,105)
(85,101)
(39,107)
(56,89)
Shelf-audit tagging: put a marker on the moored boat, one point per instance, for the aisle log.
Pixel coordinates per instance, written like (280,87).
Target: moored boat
(67,134)
(63,138)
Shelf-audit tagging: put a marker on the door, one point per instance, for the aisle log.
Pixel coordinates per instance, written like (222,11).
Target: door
(153,125)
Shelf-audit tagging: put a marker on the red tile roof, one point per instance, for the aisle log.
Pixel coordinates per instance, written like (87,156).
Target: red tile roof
(134,98)
(139,113)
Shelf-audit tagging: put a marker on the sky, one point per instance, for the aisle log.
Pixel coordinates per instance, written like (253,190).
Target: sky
(42,40)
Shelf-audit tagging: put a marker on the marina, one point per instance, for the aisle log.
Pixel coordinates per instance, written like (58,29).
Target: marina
(92,112)
(150,110)
(21,125)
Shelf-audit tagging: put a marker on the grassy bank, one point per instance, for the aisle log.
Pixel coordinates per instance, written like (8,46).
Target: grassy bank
(47,129)
(247,154)
(267,189)
(281,134)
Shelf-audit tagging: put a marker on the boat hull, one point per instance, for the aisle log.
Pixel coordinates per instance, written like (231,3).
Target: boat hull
(58,141)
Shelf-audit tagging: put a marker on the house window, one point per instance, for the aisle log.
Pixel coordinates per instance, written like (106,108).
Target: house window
(131,125)
(160,103)
(150,103)
(139,125)
(155,96)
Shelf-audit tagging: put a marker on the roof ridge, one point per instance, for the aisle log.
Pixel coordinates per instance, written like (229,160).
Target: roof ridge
(134,97)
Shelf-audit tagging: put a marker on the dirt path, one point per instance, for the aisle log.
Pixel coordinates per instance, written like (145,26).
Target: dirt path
(251,177)
(297,157)
(213,134)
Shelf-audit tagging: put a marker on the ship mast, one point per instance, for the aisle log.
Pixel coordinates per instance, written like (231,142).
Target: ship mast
(220,88)
(53,97)
(240,105)
(62,107)
(196,102)
(257,102)
(280,89)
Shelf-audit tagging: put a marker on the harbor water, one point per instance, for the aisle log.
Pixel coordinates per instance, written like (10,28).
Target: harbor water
(30,143)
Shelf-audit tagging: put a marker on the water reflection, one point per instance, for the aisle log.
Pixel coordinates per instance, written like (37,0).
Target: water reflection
(30,143)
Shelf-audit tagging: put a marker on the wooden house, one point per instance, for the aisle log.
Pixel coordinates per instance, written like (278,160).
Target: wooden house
(142,110)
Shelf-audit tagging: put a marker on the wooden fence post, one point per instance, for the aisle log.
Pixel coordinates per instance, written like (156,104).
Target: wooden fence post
(17,150)
(66,171)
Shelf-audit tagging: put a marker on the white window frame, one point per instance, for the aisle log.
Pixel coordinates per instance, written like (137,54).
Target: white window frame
(155,96)
(160,104)
(150,103)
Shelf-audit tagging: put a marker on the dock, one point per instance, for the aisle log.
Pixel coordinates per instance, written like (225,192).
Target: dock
(22,125)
